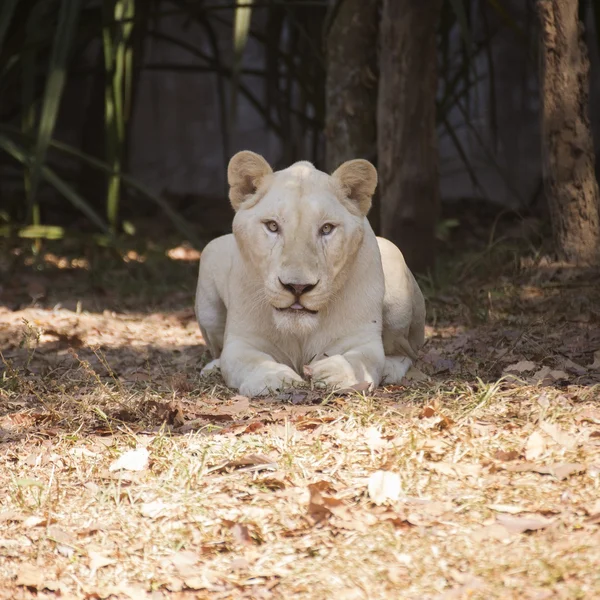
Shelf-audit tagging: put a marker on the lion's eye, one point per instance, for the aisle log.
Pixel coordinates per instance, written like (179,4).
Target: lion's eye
(272,226)
(327,229)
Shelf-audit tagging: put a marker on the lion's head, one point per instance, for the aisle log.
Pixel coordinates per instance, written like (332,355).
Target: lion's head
(299,230)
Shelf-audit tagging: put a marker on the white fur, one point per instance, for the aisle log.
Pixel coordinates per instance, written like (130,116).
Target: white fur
(369,320)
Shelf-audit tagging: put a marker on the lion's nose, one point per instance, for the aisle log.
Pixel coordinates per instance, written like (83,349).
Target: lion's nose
(298,288)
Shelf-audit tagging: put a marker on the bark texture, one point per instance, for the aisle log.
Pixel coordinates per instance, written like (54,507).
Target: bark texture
(351,86)
(567,149)
(406,128)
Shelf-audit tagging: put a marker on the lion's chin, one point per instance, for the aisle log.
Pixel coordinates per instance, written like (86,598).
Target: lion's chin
(296,321)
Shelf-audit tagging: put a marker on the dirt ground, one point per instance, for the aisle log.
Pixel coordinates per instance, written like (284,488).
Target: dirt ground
(123,474)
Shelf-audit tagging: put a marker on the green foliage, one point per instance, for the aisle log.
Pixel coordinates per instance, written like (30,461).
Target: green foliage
(43,41)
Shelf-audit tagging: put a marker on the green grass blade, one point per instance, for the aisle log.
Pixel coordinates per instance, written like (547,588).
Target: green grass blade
(111,113)
(241,30)
(117,61)
(65,32)
(33,30)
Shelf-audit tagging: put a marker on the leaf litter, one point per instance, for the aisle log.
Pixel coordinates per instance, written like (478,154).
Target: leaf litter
(126,474)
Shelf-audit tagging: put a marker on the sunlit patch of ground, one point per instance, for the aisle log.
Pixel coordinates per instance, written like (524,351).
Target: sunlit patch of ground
(126,475)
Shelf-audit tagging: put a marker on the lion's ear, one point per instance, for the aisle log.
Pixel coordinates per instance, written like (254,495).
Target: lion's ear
(244,174)
(358,179)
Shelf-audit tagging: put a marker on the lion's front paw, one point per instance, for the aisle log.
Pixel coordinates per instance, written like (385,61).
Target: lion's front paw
(261,384)
(334,371)
(395,369)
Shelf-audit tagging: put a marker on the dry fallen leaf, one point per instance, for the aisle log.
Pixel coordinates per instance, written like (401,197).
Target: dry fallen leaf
(30,576)
(321,507)
(384,486)
(35,521)
(574,367)
(199,582)
(455,469)
(185,562)
(132,460)
(507,508)
(241,534)
(535,446)
(593,519)
(521,366)
(558,435)
(590,415)
(436,508)
(397,520)
(543,401)
(593,511)
(374,440)
(564,470)
(522,524)
(490,532)
(155,509)
(12,515)
(558,470)
(250,462)
(436,446)
(594,470)
(427,413)
(98,561)
(506,456)
(65,542)
(240,405)
(558,374)
(593,508)
(93,527)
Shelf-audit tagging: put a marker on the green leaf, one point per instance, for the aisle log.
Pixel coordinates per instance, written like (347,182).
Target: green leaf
(241,29)
(117,95)
(48,232)
(57,70)
(128,227)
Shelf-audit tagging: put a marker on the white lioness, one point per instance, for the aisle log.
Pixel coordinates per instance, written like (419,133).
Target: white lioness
(304,282)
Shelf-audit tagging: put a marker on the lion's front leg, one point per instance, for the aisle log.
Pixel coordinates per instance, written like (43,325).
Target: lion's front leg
(361,364)
(253,372)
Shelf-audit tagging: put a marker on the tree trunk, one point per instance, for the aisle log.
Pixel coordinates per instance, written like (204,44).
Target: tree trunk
(406,128)
(351,86)
(567,149)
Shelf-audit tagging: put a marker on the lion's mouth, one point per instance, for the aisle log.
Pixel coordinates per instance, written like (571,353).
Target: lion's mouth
(297,308)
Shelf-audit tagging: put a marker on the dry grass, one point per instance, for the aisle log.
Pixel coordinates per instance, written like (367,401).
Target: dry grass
(496,446)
